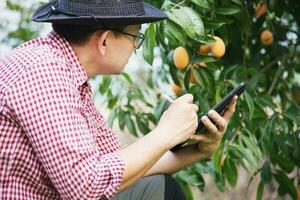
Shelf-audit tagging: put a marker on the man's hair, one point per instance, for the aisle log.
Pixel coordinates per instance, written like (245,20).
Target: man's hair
(78,34)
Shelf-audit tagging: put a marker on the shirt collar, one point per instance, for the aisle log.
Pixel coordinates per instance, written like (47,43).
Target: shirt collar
(70,56)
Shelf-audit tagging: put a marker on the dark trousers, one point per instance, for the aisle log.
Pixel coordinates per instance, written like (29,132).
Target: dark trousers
(156,187)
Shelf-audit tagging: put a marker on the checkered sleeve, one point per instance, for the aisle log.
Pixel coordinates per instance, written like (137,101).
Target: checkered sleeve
(46,104)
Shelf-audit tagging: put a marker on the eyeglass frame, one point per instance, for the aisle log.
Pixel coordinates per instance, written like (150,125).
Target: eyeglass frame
(139,35)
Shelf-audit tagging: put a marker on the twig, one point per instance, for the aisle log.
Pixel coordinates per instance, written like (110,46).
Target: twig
(278,59)
(270,64)
(278,72)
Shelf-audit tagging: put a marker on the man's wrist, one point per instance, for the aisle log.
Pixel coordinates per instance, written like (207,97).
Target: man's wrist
(160,136)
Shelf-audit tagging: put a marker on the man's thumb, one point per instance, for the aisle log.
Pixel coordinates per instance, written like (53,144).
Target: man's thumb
(186,98)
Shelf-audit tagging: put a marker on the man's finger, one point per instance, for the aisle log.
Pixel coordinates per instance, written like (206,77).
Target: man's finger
(201,138)
(210,127)
(198,138)
(195,107)
(221,123)
(186,98)
(231,109)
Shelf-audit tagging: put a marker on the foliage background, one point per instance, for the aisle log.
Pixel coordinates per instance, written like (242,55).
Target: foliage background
(263,136)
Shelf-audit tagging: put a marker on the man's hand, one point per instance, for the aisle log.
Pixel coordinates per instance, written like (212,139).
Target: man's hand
(209,142)
(179,122)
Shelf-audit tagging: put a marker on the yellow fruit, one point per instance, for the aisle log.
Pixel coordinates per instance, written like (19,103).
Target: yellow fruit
(218,47)
(261,9)
(266,37)
(204,49)
(181,58)
(176,89)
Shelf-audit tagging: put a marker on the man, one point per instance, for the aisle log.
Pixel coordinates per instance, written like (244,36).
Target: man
(54,144)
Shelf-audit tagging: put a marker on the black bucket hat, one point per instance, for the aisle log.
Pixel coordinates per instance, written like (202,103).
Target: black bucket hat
(98,12)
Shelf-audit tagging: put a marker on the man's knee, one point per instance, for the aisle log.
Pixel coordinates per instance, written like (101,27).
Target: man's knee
(146,188)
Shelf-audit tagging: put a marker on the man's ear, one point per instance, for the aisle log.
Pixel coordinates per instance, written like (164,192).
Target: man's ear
(102,40)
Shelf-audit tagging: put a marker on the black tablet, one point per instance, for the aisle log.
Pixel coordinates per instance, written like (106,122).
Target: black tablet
(219,108)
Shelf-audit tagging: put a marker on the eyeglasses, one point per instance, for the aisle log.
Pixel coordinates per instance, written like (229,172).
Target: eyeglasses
(138,38)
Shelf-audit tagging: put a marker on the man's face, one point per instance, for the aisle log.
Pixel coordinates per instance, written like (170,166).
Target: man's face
(120,47)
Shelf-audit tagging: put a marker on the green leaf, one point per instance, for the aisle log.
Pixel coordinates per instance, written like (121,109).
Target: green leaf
(250,104)
(158,111)
(105,84)
(14,6)
(266,174)
(230,172)
(252,146)
(284,162)
(149,44)
(204,39)
(260,190)
(217,161)
(202,3)
(175,34)
(267,101)
(228,10)
(218,93)
(142,126)
(188,19)
(151,117)
(187,79)
(198,77)
(246,154)
(112,102)
(228,71)
(130,125)
(112,116)
(292,117)
(160,29)
(22,33)
(127,77)
(238,2)
(220,181)
(173,73)
(206,59)
(213,23)
(286,185)
(266,138)
(207,78)
(191,177)
(186,188)
(233,83)
(121,119)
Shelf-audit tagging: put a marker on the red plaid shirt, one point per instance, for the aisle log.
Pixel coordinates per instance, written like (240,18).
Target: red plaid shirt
(54,144)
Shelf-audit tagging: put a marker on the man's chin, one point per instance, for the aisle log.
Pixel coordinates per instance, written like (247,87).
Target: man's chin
(117,72)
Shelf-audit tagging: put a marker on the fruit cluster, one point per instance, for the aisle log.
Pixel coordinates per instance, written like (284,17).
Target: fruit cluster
(181,58)
(216,49)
